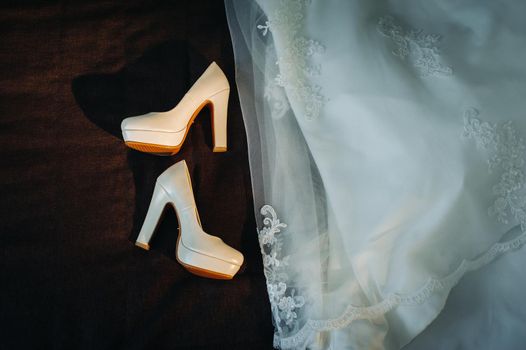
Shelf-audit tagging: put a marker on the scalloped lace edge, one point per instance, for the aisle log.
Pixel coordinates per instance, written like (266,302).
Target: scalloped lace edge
(393,300)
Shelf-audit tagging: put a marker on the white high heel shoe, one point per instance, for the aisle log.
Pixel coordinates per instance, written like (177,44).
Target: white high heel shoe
(164,133)
(200,253)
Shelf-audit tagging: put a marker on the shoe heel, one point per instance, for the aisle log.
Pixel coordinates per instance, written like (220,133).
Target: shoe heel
(158,202)
(219,120)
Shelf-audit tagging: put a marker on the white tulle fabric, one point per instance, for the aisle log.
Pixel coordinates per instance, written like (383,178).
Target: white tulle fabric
(387,159)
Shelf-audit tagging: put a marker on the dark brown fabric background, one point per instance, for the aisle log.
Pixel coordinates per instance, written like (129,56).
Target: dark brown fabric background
(73,197)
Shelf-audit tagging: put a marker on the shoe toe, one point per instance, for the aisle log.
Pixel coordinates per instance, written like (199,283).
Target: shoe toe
(125,123)
(135,123)
(235,257)
(226,253)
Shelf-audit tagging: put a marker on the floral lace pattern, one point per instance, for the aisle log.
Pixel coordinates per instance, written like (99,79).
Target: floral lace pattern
(508,155)
(286,304)
(295,60)
(265,28)
(277,99)
(284,300)
(507,149)
(420,50)
(415,46)
(396,299)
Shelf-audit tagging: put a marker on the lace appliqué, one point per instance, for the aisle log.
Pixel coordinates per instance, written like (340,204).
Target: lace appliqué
(295,59)
(415,46)
(284,300)
(507,149)
(277,99)
(265,28)
(394,300)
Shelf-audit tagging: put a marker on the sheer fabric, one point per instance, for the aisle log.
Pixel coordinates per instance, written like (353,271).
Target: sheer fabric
(387,160)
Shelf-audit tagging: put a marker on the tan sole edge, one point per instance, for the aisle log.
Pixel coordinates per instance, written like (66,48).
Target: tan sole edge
(219,149)
(153,148)
(205,273)
(143,245)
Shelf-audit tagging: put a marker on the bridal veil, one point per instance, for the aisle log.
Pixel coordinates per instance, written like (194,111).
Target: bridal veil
(386,147)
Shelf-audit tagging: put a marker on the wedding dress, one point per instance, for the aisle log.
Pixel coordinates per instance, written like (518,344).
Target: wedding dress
(386,146)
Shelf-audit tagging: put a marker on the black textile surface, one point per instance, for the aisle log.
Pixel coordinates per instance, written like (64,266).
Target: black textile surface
(73,197)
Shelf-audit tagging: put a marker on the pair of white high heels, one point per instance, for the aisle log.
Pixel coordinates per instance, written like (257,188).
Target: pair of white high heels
(164,133)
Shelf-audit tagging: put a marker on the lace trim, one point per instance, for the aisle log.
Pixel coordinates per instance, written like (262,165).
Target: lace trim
(508,149)
(265,28)
(508,155)
(284,300)
(276,98)
(295,62)
(395,299)
(415,46)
